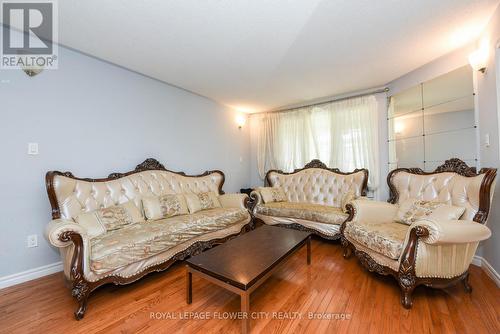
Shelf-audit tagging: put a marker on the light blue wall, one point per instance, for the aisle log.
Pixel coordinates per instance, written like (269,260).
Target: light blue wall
(93,118)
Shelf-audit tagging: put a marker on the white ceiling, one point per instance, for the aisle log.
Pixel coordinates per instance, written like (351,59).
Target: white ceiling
(263,54)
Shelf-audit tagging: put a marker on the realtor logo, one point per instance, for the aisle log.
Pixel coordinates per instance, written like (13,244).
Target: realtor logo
(29,35)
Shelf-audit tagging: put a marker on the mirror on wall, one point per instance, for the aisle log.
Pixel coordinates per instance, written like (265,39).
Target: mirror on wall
(433,121)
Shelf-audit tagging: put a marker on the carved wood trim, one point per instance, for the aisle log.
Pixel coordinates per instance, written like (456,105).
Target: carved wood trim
(370,264)
(81,288)
(252,202)
(453,165)
(148,164)
(319,164)
(346,245)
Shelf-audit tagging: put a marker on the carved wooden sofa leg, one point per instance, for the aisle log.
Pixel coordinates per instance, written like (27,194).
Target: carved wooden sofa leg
(347,248)
(406,292)
(82,297)
(347,252)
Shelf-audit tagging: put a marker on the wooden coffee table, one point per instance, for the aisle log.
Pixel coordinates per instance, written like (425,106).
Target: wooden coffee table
(242,264)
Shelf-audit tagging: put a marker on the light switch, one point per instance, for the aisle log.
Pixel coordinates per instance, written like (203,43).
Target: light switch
(32,241)
(32,148)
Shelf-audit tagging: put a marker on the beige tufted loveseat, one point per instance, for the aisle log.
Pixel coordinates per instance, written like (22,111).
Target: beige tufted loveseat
(126,254)
(313,198)
(429,250)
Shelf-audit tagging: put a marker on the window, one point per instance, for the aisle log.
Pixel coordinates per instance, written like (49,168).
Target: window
(342,134)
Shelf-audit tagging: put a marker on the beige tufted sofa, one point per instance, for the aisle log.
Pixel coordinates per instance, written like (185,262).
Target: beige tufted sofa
(313,198)
(125,255)
(435,252)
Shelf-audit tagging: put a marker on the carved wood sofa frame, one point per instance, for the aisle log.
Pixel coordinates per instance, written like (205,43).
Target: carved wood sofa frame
(406,276)
(315,163)
(80,287)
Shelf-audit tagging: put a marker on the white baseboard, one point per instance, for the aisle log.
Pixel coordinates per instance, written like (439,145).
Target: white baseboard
(477,260)
(487,268)
(31,274)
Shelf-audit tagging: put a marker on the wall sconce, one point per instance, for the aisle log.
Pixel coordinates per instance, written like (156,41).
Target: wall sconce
(479,58)
(240,120)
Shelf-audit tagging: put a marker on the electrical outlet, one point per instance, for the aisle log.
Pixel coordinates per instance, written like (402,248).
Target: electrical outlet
(32,241)
(32,148)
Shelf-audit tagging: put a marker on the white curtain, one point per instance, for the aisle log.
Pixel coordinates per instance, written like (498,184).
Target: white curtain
(342,134)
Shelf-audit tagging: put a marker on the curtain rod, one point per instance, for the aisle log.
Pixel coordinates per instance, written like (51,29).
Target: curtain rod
(376,91)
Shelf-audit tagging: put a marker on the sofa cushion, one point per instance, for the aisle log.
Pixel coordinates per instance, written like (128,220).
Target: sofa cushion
(384,238)
(108,219)
(272,194)
(139,241)
(412,210)
(202,201)
(314,212)
(164,206)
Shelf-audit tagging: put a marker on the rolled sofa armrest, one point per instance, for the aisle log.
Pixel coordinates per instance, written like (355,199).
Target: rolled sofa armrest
(56,227)
(370,212)
(452,231)
(255,199)
(233,200)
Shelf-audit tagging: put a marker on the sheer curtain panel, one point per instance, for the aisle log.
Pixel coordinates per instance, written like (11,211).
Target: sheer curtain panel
(342,134)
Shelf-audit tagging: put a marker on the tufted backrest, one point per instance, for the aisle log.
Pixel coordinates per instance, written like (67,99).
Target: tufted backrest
(72,196)
(318,185)
(473,192)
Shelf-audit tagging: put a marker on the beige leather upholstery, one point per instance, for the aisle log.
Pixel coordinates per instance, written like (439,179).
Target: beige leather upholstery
(78,196)
(453,231)
(373,211)
(318,186)
(444,260)
(307,191)
(449,248)
(75,197)
(442,187)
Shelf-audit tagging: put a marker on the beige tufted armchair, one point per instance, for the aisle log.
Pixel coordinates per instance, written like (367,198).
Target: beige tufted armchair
(432,252)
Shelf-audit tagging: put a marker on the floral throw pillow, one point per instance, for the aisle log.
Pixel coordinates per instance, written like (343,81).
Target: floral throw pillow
(114,217)
(273,194)
(413,210)
(202,201)
(206,201)
(172,205)
(164,206)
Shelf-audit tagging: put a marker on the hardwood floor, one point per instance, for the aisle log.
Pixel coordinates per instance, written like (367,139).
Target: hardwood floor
(329,286)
